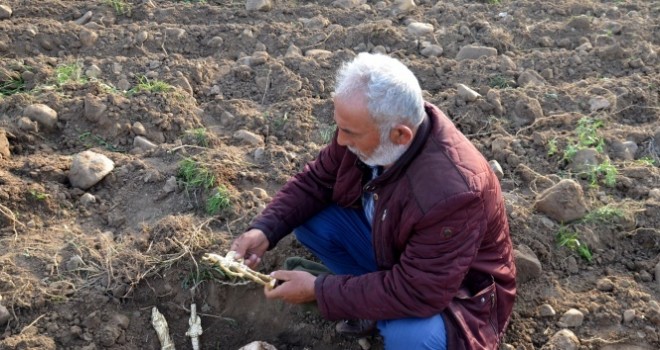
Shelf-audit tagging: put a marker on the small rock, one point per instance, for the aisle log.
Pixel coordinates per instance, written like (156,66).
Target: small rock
(259,154)
(121,320)
(624,150)
(473,52)
(183,83)
(4,315)
(108,335)
(584,160)
(94,108)
(260,193)
(657,270)
(249,137)
(628,315)
(258,345)
(467,94)
(571,318)
(432,50)
(74,263)
(563,202)
(530,78)
(572,265)
(419,29)
(528,265)
(4,145)
(93,71)
(88,168)
(507,64)
(605,285)
(170,185)
(5,12)
(318,53)
(84,18)
(582,23)
(526,111)
(597,103)
(315,23)
(364,343)
(141,143)
(42,114)
(87,199)
(497,169)
(655,194)
(546,310)
(348,4)
(293,51)
(138,129)
(645,276)
(25,124)
(174,35)
(562,340)
(215,42)
(88,37)
(403,6)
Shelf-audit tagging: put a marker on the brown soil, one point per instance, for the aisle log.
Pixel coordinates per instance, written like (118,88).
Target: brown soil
(81,275)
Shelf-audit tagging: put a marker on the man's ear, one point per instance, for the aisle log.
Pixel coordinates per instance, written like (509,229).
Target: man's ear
(401,134)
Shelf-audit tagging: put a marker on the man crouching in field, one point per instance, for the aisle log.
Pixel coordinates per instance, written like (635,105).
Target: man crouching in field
(405,212)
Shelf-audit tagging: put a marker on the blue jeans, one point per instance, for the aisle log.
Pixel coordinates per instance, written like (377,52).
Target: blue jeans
(341,238)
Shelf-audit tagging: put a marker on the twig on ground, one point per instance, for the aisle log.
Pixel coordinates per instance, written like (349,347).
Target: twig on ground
(32,324)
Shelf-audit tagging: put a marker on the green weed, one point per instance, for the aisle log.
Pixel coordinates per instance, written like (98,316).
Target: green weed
(144,84)
(38,195)
(587,131)
(645,161)
(199,136)
(605,171)
(14,85)
(569,239)
(194,175)
(552,147)
(605,214)
(279,122)
(218,201)
(121,7)
(69,73)
(90,140)
(499,82)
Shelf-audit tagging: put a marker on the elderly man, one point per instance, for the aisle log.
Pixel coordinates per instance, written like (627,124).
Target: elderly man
(406,213)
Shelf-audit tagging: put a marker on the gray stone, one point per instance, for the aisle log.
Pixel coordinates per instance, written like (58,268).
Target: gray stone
(562,340)
(249,137)
(507,64)
(170,185)
(546,310)
(42,114)
(84,18)
(571,318)
(25,124)
(259,154)
(4,315)
(473,52)
(629,315)
(624,150)
(318,53)
(94,108)
(74,263)
(315,23)
(348,4)
(293,51)
(528,266)
(5,12)
(598,103)
(141,37)
(419,29)
(584,160)
(563,202)
(183,83)
(466,93)
(526,111)
(605,285)
(88,168)
(142,143)
(655,195)
(4,145)
(497,169)
(93,71)
(530,78)
(403,6)
(87,199)
(432,50)
(216,42)
(88,37)
(657,273)
(138,129)
(582,23)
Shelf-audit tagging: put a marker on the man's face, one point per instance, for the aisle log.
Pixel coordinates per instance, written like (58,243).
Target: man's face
(355,128)
(362,135)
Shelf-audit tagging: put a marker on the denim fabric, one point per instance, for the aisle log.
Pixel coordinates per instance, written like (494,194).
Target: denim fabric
(341,239)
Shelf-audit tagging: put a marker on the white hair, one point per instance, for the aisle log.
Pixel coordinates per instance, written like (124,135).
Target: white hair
(392,90)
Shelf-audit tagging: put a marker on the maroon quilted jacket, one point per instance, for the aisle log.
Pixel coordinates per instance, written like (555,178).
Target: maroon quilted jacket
(440,235)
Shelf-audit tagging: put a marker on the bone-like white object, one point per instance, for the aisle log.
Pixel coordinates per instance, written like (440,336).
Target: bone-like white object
(163,331)
(195,329)
(236,268)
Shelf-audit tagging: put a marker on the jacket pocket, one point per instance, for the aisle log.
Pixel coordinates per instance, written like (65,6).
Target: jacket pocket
(474,309)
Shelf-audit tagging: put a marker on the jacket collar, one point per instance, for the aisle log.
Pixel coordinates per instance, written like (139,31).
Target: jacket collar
(397,169)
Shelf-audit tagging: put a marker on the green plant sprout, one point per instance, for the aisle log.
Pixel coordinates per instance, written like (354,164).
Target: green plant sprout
(606,170)
(200,136)
(38,195)
(219,200)
(587,131)
(566,238)
(605,214)
(552,147)
(499,82)
(144,84)
(67,73)
(193,175)
(15,84)
(121,7)
(89,140)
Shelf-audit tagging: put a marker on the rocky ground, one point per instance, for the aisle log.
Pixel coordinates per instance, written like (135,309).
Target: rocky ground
(137,135)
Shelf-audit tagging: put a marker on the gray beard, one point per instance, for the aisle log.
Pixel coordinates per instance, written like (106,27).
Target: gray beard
(386,153)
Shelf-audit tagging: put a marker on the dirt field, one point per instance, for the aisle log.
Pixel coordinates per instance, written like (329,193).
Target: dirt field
(198,111)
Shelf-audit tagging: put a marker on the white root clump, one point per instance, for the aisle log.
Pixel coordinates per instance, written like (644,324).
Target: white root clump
(236,268)
(160,325)
(195,329)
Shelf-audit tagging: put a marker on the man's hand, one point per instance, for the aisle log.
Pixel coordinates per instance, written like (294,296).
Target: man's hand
(297,287)
(250,246)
